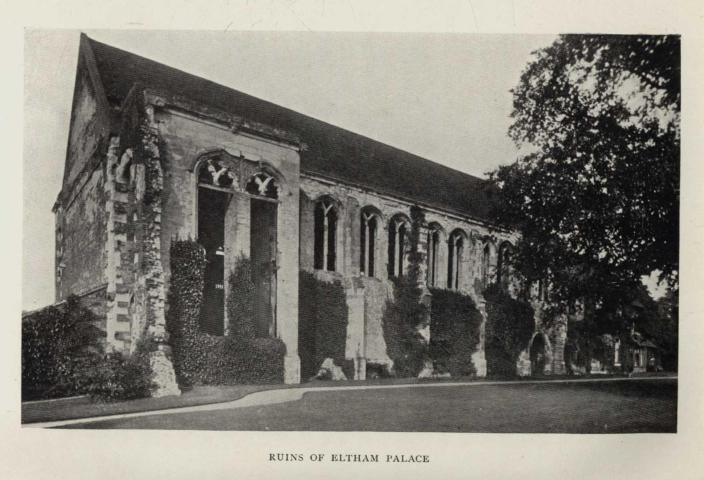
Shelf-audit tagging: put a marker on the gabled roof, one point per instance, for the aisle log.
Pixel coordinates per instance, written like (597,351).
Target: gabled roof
(331,151)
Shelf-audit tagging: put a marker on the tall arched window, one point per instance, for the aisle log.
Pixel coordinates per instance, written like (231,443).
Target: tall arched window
(216,182)
(398,238)
(367,235)
(433,250)
(325,236)
(454,260)
(486,253)
(504,267)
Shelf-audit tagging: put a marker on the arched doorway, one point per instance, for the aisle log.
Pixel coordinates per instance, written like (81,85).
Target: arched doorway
(538,355)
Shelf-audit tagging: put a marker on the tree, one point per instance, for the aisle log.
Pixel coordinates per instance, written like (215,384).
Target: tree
(595,192)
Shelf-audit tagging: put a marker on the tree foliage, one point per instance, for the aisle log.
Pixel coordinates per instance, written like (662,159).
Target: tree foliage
(595,191)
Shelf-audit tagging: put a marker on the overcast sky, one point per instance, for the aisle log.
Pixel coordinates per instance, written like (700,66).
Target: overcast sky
(444,97)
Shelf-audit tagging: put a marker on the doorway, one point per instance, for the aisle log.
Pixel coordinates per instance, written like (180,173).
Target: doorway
(263,258)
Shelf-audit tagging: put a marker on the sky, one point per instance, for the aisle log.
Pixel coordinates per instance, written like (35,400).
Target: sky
(445,97)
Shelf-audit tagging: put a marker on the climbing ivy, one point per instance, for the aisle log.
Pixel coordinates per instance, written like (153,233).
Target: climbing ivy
(200,358)
(454,326)
(322,323)
(509,327)
(406,314)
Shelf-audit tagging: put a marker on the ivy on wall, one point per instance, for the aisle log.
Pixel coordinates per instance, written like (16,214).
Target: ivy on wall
(454,326)
(200,358)
(406,314)
(510,325)
(240,301)
(322,323)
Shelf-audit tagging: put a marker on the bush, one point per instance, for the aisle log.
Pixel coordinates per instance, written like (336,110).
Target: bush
(62,356)
(406,314)
(240,301)
(118,378)
(53,340)
(509,327)
(200,358)
(322,323)
(454,332)
(401,321)
(185,298)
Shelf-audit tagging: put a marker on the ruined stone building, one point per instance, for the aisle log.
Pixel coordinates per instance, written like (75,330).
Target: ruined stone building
(156,154)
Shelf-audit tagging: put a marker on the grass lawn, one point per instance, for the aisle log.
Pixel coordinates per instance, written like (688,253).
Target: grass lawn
(83,407)
(597,407)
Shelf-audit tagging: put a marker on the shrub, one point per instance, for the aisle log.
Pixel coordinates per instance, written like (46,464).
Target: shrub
(200,358)
(509,327)
(61,356)
(185,298)
(240,301)
(118,378)
(53,340)
(454,332)
(406,314)
(322,323)
(400,322)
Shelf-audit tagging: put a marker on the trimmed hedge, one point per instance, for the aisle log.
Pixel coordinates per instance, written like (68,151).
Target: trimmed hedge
(185,298)
(240,301)
(322,324)
(509,327)
(62,356)
(200,358)
(454,332)
(115,377)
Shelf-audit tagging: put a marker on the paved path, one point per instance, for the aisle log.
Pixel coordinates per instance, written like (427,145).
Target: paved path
(272,397)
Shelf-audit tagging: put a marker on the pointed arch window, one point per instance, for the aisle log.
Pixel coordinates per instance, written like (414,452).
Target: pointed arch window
(486,252)
(504,269)
(433,249)
(368,232)
(398,239)
(324,243)
(454,260)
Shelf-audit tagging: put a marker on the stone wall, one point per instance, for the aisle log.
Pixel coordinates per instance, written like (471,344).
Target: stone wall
(377,291)
(186,140)
(81,236)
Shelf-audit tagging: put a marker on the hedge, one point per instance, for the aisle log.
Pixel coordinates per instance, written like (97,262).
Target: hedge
(240,301)
(322,324)
(204,359)
(454,332)
(509,327)
(62,355)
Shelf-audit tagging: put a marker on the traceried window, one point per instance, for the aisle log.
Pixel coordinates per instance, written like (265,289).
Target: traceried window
(486,253)
(433,249)
(367,233)
(398,239)
(325,235)
(263,185)
(454,260)
(504,268)
(216,173)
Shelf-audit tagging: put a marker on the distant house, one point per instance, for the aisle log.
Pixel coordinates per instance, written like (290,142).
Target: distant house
(642,354)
